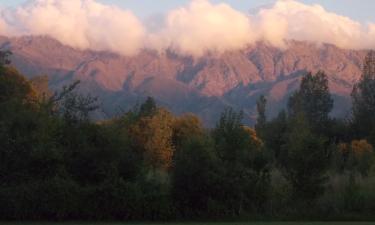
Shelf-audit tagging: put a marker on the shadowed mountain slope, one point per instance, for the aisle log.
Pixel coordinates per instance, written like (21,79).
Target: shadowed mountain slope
(204,86)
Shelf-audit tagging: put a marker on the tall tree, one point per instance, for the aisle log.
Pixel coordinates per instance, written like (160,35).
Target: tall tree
(148,108)
(242,164)
(186,127)
(363,97)
(14,86)
(313,99)
(274,136)
(358,156)
(153,138)
(4,58)
(70,104)
(262,118)
(304,160)
(194,176)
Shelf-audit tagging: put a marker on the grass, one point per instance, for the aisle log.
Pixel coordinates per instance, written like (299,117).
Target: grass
(202,223)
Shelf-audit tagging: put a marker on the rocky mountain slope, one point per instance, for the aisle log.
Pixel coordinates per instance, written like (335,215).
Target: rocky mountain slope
(204,86)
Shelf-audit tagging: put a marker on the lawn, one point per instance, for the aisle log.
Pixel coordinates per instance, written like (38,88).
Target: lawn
(234,223)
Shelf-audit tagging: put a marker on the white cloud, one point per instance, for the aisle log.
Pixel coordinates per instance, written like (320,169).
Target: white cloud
(78,23)
(201,26)
(289,19)
(195,29)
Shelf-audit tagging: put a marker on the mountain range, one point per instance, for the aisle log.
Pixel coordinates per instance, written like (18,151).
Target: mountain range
(204,86)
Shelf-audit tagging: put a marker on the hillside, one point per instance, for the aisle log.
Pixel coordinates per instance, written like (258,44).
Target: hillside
(204,85)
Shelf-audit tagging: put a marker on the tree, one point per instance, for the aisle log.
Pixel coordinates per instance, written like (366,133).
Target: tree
(313,99)
(40,85)
(15,87)
(229,136)
(274,135)
(194,177)
(262,118)
(148,108)
(70,104)
(186,127)
(305,161)
(363,97)
(153,138)
(363,154)
(358,156)
(28,147)
(243,167)
(4,58)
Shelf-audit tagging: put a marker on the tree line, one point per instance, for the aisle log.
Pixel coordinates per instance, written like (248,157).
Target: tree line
(148,164)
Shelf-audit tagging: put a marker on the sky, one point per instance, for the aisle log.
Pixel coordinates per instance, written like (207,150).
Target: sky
(191,27)
(361,10)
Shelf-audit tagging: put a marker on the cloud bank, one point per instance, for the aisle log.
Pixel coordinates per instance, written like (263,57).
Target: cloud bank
(202,26)
(194,29)
(289,19)
(83,24)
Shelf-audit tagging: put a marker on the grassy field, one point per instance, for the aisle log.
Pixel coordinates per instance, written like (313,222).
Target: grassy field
(234,223)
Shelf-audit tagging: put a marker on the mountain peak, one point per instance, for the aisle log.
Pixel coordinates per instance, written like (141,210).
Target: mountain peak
(202,85)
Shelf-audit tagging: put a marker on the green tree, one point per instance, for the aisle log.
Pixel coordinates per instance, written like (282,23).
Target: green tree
(130,160)
(243,166)
(313,99)
(15,87)
(305,161)
(148,108)
(4,58)
(262,118)
(19,122)
(363,97)
(153,138)
(91,155)
(358,156)
(274,135)
(73,106)
(186,127)
(194,177)
(40,85)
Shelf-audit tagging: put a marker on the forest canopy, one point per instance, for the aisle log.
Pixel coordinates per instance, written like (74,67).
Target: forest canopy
(56,163)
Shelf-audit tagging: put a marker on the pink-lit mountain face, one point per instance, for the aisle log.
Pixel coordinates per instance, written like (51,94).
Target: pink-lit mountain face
(204,85)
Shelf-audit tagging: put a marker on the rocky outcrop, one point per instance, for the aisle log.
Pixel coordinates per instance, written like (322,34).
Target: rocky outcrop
(204,86)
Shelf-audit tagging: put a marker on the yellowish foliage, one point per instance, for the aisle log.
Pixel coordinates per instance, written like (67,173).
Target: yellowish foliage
(15,85)
(361,148)
(153,135)
(253,136)
(186,126)
(40,86)
(358,148)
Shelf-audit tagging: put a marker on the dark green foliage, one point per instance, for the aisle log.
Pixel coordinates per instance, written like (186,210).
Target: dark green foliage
(275,135)
(58,164)
(51,198)
(194,177)
(71,105)
(262,118)
(356,157)
(301,141)
(91,156)
(242,166)
(229,136)
(14,87)
(148,108)
(363,96)
(312,99)
(4,58)
(305,161)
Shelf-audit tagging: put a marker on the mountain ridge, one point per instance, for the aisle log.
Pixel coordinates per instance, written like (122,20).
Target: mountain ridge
(204,85)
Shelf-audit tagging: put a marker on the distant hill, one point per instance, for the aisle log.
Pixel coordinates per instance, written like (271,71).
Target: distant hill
(204,86)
